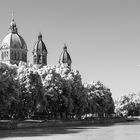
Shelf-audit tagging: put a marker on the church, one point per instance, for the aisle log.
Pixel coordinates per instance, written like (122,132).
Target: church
(13,49)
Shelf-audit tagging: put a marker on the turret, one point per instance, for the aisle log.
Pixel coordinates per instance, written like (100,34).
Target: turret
(40,52)
(65,57)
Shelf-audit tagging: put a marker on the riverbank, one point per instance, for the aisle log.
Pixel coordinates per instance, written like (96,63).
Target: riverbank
(8,124)
(115,131)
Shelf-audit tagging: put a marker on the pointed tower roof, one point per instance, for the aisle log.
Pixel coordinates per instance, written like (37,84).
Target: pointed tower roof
(39,46)
(13,26)
(65,57)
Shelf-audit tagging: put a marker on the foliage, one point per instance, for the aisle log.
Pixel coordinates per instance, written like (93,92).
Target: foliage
(128,105)
(100,102)
(8,88)
(55,91)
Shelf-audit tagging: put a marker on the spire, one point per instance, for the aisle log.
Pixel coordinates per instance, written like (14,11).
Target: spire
(65,57)
(12,15)
(40,52)
(13,26)
(65,47)
(40,36)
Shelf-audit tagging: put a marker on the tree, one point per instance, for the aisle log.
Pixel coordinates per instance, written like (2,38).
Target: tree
(56,91)
(127,105)
(31,90)
(8,89)
(100,102)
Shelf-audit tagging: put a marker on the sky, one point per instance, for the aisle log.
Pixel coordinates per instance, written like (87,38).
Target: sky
(102,36)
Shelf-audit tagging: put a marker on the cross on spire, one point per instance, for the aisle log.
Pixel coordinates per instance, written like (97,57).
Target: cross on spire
(12,15)
(13,27)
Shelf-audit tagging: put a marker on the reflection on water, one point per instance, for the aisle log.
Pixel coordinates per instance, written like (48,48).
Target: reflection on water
(119,131)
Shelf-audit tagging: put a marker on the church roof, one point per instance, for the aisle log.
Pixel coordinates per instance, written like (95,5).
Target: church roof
(65,57)
(39,46)
(13,39)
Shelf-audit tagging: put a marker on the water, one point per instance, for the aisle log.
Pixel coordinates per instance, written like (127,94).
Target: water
(120,131)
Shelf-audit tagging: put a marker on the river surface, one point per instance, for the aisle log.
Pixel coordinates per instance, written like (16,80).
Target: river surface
(118,131)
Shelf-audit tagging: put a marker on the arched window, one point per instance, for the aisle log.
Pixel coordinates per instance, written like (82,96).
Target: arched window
(7,54)
(39,59)
(22,56)
(12,56)
(44,59)
(2,55)
(18,55)
(35,59)
(25,58)
(15,55)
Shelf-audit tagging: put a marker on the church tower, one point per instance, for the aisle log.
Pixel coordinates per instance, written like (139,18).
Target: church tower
(39,53)
(65,57)
(13,48)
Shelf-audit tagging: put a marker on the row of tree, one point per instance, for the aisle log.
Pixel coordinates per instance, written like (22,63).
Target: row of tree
(55,92)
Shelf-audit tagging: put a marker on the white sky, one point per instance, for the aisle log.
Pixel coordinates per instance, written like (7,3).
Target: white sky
(102,36)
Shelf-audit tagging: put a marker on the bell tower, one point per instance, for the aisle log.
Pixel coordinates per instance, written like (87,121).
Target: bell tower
(40,53)
(65,57)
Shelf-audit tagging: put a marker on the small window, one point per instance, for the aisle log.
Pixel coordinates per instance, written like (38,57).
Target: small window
(25,57)
(18,55)
(44,59)
(22,57)
(15,56)
(7,53)
(2,55)
(39,59)
(35,59)
(12,55)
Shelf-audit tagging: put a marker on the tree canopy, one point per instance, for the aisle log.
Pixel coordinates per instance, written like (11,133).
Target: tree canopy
(128,105)
(54,91)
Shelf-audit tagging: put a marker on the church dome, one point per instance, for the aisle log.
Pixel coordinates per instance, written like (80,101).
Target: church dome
(39,46)
(13,39)
(65,57)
